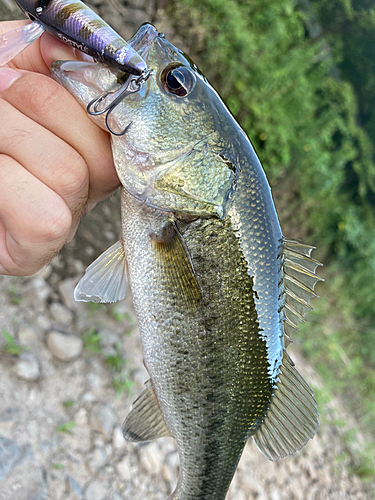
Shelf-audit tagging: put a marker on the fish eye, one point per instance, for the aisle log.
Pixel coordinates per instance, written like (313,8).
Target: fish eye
(178,80)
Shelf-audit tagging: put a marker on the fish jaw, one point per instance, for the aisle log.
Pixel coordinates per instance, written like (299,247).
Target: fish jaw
(86,81)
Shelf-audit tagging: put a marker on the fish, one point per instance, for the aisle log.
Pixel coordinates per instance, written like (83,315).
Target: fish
(74,23)
(217,288)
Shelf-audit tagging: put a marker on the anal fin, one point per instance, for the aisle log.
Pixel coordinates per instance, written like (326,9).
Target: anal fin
(145,421)
(292,418)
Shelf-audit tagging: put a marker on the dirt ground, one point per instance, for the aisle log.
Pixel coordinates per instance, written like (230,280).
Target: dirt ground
(61,363)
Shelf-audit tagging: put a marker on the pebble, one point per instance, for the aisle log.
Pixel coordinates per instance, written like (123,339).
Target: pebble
(96,460)
(117,496)
(41,288)
(27,366)
(123,470)
(103,419)
(9,452)
(118,440)
(26,335)
(96,490)
(151,458)
(81,417)
(74,489)
(43,322)
(60,313)
(64,346)
(66,289)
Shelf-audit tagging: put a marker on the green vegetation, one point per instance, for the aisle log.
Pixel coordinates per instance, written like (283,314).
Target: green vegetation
(301,82)
(58,466)
(11,347)
(69,403)
(120,372)
(16,298)
(116,363)
(66,428)
(91,340)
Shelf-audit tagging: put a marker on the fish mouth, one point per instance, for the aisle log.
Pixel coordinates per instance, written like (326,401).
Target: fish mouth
(142,41)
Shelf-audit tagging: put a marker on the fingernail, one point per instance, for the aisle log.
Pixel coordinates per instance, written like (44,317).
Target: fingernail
(7,77)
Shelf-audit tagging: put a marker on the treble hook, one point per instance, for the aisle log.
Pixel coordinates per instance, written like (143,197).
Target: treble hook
(132,85)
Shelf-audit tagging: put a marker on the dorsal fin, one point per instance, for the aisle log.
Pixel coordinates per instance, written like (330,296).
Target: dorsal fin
(292,417)
(299,280)
(145,421)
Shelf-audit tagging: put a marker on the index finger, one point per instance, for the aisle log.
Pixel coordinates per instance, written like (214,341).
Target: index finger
(39,56)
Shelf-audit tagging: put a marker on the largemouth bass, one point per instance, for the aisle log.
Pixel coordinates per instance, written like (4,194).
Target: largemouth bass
(216,286)
(76,24)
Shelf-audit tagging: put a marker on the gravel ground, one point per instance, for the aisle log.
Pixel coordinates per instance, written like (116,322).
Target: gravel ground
(69,372)
(61,415)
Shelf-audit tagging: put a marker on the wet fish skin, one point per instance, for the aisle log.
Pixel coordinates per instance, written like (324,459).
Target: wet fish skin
(76,24)
(208,271)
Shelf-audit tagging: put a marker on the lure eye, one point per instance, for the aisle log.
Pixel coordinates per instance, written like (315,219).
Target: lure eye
(178,80)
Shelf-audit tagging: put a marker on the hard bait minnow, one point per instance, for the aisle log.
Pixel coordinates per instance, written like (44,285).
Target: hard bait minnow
(75,24)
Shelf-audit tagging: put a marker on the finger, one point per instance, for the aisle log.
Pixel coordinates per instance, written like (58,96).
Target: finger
(47,157)
(34,221)
(44,101)
(31,59)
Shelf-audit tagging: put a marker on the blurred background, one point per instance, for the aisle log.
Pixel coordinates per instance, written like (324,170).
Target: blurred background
(299,76)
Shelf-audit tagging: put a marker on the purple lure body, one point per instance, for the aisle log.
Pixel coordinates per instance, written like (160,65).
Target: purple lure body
(76,24)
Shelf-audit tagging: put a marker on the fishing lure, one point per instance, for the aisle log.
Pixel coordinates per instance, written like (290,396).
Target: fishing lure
(75,24)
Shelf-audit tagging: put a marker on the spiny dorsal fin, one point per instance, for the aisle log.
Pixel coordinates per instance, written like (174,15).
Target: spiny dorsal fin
(299,280)
(105,279)
(292,418)
(175,265)
(145,421)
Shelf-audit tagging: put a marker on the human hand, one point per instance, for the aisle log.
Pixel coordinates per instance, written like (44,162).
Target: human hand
(54,161)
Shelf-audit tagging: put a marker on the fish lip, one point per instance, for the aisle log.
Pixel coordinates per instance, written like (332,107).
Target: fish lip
(143,39)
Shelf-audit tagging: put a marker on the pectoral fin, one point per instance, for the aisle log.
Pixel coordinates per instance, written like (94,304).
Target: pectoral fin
(105,279)
(292,418)
(174,264)
(145,421)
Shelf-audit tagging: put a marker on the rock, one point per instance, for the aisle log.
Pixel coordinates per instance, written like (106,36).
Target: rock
(64,346)
(27,335)
(151,458)
(81,417)
(103,419)
(96,460)
(66,289)
(33,428)
(60,313)
(27,366)
(10,413)
(43,322)
(116,496)
(123,470)
(9,452)
(96,490)
(41,288)
(74,489)
(24,483)
(118,440)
